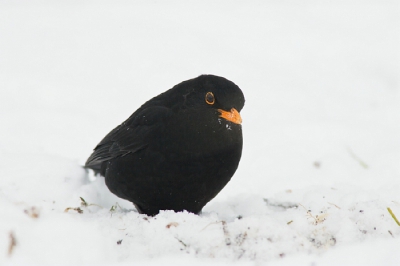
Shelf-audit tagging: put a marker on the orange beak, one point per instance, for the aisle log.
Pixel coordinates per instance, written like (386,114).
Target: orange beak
(232,116)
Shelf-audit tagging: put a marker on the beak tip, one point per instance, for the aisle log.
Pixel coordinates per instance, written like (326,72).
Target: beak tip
(232,116)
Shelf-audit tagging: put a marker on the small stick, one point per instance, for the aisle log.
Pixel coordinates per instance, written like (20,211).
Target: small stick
(13,243)
(180,241)
(393,216)
(309,213)
(79,210)
(334,205)
(226,233)
(85,204)
(217,222)
(355,157)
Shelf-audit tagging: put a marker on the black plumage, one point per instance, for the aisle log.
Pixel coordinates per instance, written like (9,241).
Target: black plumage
(178,150)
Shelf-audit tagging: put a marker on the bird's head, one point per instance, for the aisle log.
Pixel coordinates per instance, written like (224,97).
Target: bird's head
(213,93)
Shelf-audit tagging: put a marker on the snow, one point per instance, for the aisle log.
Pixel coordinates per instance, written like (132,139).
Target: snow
(321,127)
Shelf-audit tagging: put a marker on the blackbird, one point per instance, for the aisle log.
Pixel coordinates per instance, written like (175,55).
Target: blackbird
(178,150)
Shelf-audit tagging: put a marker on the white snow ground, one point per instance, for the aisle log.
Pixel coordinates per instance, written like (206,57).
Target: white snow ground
(321,129)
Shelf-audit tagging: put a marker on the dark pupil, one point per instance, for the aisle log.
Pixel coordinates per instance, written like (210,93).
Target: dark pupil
(210,98)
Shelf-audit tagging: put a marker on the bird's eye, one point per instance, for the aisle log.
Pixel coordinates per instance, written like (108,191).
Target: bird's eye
(210,98)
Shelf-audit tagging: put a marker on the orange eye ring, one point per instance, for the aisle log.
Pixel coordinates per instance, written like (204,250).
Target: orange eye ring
(210,98)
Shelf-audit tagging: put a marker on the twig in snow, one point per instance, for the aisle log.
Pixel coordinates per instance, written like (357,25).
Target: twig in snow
(226,233)
(79,210)
(209,225)
(334,205)
(13,243)
(317,219)
(114,207)
(85,204)
(180,241)
(309,214)
(393,216)
(355,157)
(224,229)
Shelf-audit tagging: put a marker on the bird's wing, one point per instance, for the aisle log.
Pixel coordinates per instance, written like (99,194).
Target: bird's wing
(129,137)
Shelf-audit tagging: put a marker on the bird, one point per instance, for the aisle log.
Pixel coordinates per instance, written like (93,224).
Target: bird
(178,150)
